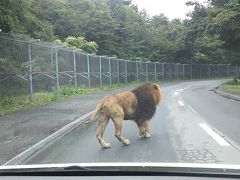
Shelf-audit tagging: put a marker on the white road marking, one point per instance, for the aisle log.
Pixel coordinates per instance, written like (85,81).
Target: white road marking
(195,112)
(181,103)
(214,135)
(178,91)
(235,101)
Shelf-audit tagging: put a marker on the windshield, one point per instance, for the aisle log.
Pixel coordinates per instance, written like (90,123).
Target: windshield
(119,81)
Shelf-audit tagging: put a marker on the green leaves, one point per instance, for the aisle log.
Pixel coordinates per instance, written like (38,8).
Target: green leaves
(117,27)
(213,32)
(78,42)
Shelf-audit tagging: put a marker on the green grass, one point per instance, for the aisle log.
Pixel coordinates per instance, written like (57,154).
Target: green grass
(232,86)
(19,102)
(11,103)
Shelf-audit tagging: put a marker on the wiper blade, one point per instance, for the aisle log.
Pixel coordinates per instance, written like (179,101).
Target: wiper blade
(81,168)
(121,168)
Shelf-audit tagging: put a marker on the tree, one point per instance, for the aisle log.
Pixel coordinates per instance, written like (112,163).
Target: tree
(80,43)
(23,21)
(211,34)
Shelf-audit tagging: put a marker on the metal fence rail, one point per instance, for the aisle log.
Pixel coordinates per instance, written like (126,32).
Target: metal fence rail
(28,66)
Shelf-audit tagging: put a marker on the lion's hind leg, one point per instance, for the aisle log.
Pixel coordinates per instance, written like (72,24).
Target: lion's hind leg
(118,131)
(102,124)
(117,120)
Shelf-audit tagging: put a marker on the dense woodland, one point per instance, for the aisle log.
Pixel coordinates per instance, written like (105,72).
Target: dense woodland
(210,34)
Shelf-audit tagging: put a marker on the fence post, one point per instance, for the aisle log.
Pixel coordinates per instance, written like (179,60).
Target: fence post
(177,70)
(155,69)
(209,71)
(88,71)
(137,70)
(57,75)
(228,70)
(191,71)
(110,71)
(52,64)
(183,71)
(200,71)
(163,71)
(100,71)
(147,70)
(236,70)
(30,71)
(219,74)
(118,71)
(170,71)
(126,72)
(75,68)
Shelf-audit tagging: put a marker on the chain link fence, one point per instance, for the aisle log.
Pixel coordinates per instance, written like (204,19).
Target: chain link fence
(28,66)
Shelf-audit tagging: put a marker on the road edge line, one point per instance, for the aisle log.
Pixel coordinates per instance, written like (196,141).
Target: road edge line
(227,95)
(23,156)
(229,140)
(219,139)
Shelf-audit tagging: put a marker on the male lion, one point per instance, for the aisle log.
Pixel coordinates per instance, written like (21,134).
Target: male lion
(138,105)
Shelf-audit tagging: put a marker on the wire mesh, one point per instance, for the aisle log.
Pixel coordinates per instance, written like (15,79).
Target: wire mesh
(28,66)
(14,67)
(43,68)
(151,71)
(142,71)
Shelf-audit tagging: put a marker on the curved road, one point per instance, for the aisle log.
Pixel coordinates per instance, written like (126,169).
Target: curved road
(192,124)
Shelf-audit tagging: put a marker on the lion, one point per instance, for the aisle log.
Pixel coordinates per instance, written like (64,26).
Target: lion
(138,105)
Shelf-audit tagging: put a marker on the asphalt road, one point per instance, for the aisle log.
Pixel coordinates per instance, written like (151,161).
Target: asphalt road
(22,129)
(192,124)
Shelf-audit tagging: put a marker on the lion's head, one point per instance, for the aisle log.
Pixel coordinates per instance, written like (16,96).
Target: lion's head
(148,96)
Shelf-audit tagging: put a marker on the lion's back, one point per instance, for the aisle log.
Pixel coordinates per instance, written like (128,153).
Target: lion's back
(138,104)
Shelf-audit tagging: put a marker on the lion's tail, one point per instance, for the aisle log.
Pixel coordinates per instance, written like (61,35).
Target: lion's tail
(94,114)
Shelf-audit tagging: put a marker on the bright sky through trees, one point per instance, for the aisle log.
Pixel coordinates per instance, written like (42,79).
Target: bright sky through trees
(171,8)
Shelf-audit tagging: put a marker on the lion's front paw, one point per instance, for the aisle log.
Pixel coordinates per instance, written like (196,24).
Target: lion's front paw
(126,142)
(106,146)
(147,135)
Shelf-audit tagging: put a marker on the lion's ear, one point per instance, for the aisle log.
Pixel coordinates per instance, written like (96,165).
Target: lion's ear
(155,87)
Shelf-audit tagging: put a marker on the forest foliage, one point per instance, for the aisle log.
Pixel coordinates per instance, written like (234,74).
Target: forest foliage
(210,34)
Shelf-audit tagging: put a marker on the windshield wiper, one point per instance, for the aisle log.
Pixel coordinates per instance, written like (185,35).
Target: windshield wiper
(78,168)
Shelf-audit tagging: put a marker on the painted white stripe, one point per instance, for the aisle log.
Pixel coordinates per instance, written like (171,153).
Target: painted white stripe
(180,102)
(180,90)
(195,112)
(235,101)
(214,135)
(175,93)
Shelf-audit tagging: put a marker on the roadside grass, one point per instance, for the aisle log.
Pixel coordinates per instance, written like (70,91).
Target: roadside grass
(14,101)
(20,102)
(232,86)
(10,102)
